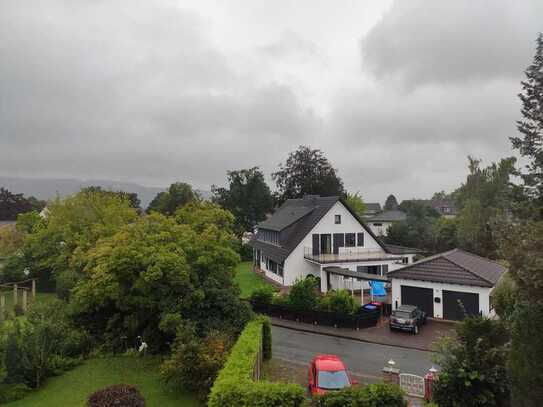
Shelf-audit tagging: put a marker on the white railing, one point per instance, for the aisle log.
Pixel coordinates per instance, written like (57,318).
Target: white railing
(412,384)
(346,254)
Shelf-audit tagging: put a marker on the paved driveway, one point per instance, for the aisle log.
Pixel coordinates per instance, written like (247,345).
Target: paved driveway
(365,360)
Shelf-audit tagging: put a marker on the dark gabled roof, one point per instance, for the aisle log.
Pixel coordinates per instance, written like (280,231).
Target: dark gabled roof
(453,267)
(396,249)
(373,206)
(285,216)
(296,226)
(274,252)
(388,216)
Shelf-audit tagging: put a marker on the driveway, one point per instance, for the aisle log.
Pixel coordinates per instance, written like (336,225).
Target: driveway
(365,360)
(432,331)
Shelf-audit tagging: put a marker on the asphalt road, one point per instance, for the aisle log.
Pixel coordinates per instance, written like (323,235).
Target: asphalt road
(365,360)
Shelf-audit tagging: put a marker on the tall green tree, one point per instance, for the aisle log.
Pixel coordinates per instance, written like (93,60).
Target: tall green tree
(177,195)
(473,366)
(12,204)
(391,203)
(356,203)
(161,269)
(522,245)
(530,141)
(307,172)
(248,197)
(131,197)
(484,199)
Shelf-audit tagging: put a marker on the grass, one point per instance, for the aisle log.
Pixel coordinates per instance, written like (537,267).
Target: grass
(73,387)
(248,280)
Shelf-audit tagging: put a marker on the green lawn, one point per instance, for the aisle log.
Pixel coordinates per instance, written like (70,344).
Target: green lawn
(72,388)
(247,280)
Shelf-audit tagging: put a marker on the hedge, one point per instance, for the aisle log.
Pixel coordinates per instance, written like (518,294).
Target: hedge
(234,385)
(374,395)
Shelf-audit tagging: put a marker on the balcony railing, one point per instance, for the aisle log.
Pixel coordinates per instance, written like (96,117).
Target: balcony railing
(348,254)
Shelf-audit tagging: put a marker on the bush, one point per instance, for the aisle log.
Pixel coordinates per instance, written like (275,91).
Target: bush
(262,297)
(194,362)
(234,385)
(12,392)
(340,302)
(374,395)
(303,295)
(118,395)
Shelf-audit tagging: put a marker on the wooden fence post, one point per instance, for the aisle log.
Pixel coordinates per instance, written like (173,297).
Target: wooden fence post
(33,289)
(15,299)
(24,300)
(2,306)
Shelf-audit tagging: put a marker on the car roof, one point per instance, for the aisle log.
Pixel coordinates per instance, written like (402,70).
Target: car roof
(406,308)
(329,363)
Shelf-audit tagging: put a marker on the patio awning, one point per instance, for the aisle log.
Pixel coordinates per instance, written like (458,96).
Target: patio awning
(355,274)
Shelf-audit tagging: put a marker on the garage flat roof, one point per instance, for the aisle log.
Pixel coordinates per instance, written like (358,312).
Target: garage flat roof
(355,274)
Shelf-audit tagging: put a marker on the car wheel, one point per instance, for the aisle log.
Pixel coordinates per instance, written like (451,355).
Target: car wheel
(416,330)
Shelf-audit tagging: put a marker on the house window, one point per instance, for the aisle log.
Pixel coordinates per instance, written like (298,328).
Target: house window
(350,240)
(405,260)
(371,269)
(377,224)
(384,269)
(360,239)
(337,219)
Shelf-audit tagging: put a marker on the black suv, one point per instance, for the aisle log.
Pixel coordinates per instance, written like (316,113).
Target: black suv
(407,318)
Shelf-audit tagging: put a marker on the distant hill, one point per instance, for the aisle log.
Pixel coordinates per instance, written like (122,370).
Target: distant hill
(47,188)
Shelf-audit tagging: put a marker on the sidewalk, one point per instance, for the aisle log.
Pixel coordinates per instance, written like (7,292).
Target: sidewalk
(381,334)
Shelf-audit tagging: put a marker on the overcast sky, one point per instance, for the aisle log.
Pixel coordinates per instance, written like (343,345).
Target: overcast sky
(396,94)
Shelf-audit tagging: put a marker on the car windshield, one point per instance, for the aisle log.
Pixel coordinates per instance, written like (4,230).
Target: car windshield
(401,314)
(333,380)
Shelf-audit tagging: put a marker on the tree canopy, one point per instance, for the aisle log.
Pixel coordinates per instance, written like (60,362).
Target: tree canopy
(177,195)
(12,204)
(530,141)
(356,203)
(307,172)
(391,203)
(248,197)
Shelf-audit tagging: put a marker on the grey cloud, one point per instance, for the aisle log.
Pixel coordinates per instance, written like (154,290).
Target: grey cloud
(131,90)
(428,41)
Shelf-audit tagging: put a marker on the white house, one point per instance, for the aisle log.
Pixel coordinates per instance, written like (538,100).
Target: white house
(317,236)
(448,285)
(380,223)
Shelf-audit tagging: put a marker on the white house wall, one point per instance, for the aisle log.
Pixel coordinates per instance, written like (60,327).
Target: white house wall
(484,294)
(296,266)
(380,230)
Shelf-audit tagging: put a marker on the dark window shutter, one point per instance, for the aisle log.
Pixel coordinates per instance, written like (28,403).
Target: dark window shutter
(360,239)
(316,244)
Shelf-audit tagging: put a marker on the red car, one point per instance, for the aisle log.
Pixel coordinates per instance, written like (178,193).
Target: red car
(328,373)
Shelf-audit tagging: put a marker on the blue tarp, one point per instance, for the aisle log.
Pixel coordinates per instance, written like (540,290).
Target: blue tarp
(377,288)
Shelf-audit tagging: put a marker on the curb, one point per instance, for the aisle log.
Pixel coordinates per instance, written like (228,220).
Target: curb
(307,330)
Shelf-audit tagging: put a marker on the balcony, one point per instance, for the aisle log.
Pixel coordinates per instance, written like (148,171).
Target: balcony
(348,255)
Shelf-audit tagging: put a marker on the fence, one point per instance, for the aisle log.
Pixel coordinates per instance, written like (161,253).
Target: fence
(360,320)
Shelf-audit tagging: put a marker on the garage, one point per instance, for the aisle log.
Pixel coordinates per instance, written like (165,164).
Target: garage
(446,284)
(455,302)
(421,297)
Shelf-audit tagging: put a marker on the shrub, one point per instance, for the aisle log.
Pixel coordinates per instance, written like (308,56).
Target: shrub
(303,295)
(374,395)
(262,297)
(12,392)
(194,362)
(118,395)
(234,385)
(340,302)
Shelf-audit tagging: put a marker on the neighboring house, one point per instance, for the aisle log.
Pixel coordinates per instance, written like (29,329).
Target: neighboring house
(445,207)
(372,209)
(306,236)
(440,283)
(380,223)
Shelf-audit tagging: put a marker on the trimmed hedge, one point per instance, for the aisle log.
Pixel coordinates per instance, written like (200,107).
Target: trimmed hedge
(235,386)
(374,395)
